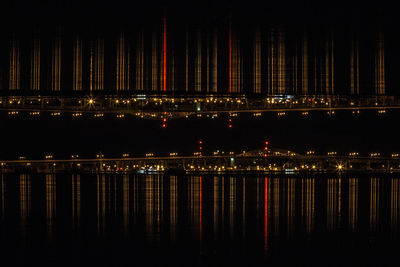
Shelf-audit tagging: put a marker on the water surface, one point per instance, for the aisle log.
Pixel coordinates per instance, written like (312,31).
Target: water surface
(164,220)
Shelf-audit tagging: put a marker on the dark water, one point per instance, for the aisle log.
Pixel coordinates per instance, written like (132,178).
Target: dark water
(344,132)
(115,220)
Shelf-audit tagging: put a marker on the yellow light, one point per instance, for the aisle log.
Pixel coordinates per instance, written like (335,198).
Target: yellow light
(91,101)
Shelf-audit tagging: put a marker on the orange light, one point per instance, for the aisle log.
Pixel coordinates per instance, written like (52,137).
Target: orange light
(266,148)
(165,119)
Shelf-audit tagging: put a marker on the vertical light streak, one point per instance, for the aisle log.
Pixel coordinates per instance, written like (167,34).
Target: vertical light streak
(230,54)
(374,204)
(354,66)
(135,197)
(270,59)
(14,79)
(332,203)
(50,203)
(265,214)
(332,65)
(232,205)
(290,204)
(3,197)
(160,204)
(198,63)
(154,67)
(215,61)
(327,72)
(201,208)
(91,68)
(310,204)
(357,70)
(127,74)
(244,207)
(315,75)
(172,83)
(339,201)
(56,65)
(76,199)
(276,205)
(173,206)
(73,199)
(353,203)
(281,63)
(223,203)
(304,69)
(294,77)
(187,61)
(98,202)
(35,65)
(149,205)
(25,201)
(380,65)
(77,65)
(122,64)
(99,65)
(139,62)
(103,200)
(234,65)
(216,206)
(25,195)
(394,204)
(165,52)
(126,199)
(208,63)
(240,69)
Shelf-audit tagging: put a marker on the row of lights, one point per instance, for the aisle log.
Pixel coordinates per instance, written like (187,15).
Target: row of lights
(216,153)
(154,115)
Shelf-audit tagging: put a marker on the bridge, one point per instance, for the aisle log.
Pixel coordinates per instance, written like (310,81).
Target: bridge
(167,106)
(277,161)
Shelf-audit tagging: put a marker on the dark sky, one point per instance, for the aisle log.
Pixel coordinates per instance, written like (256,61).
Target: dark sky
(111,12)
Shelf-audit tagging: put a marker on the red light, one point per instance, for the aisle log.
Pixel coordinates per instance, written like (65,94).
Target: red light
(230,125)
(266,142)
(266,148)
(164,125)
(265,155)
(200,142)
(230,120)
(201,148)
(165,119)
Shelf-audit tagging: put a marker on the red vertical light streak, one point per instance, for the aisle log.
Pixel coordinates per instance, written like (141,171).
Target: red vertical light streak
(266,216)
(165,53)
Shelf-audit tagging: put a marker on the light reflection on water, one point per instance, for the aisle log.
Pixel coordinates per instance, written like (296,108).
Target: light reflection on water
(197,213)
